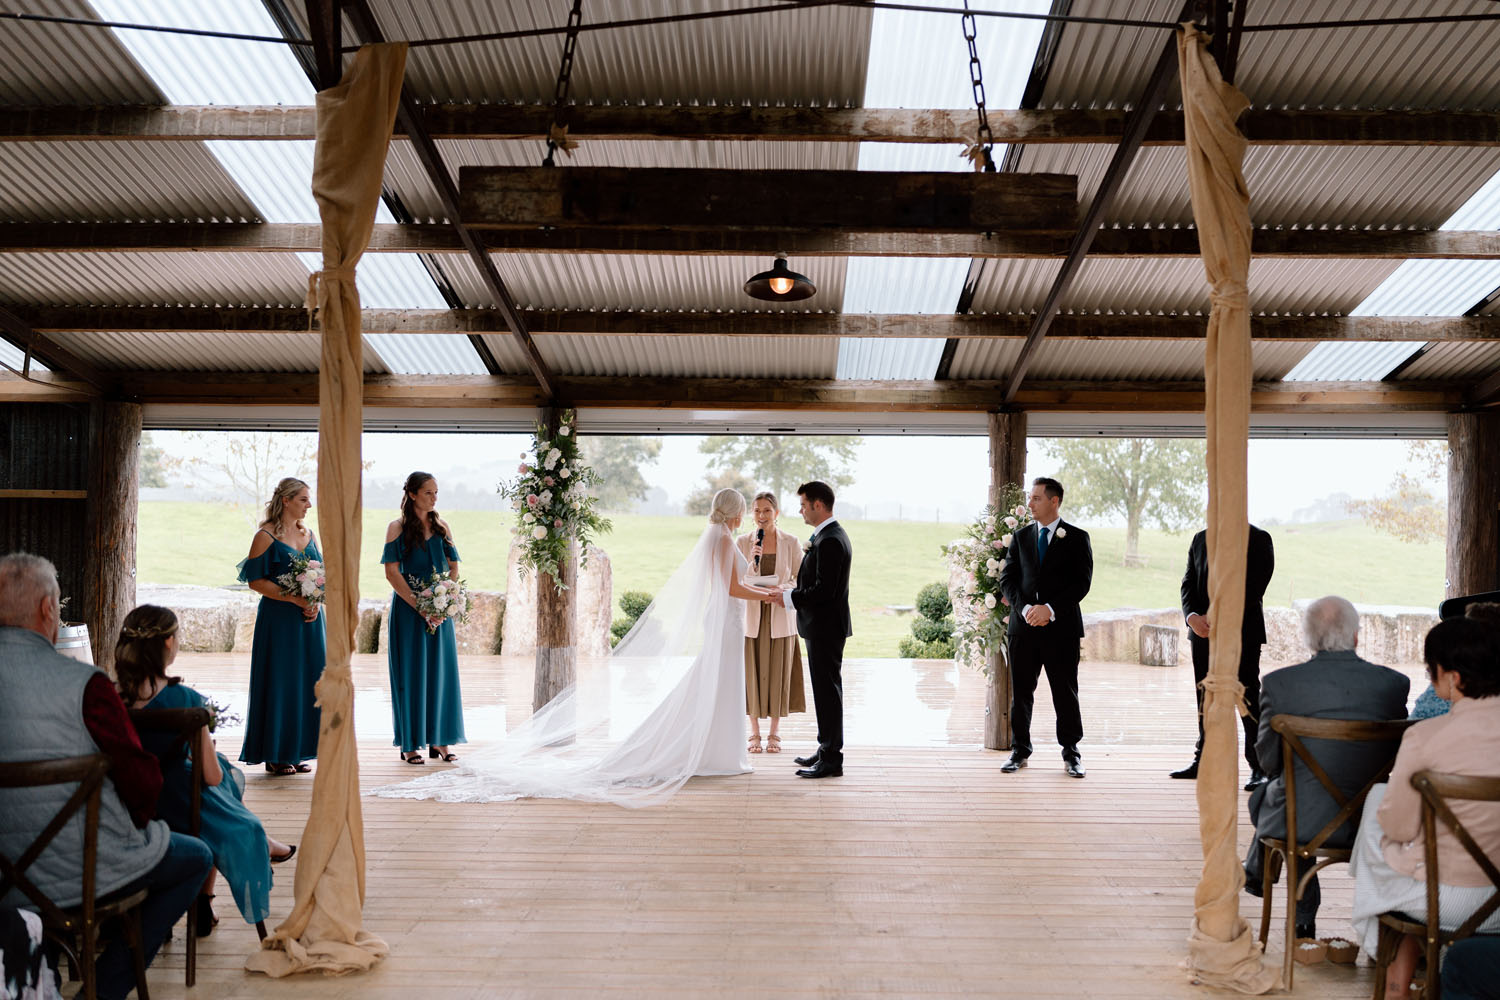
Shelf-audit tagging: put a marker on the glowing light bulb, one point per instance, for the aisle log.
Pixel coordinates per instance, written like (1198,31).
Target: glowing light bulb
(781,285)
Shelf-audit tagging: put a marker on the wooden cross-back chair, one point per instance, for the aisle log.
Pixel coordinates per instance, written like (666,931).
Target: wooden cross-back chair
(187,724)
(1314,851)
(1437,790)
(75,929)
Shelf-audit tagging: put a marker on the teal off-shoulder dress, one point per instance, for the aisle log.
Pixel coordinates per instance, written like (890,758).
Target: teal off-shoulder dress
(426,704)
(230,830)
(286,660)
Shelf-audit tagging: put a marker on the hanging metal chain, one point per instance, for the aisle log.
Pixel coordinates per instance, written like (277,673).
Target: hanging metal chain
(557,136)
(979,152)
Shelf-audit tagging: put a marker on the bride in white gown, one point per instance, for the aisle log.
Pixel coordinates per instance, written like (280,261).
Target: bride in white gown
(670,703)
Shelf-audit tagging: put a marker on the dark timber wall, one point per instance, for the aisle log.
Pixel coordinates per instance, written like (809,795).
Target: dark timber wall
(44,447)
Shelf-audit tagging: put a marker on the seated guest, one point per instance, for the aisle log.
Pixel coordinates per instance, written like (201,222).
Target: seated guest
(1463,660)
(1429,705)
(242,851)
(1471,970)
(1334,684)
(56,707)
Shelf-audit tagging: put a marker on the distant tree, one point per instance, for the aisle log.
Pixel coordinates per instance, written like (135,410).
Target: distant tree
(244,466)
(701,500)
(618,462)
(1160,479)
(154,463)
(1410,510)
(781,463)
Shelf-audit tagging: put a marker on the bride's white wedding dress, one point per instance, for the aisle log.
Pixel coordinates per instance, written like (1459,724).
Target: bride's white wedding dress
(670,704)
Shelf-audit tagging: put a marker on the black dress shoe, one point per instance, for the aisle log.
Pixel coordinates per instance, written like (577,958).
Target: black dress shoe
(821,770)
(809,760)
(1190,772)
(1257,777)
(1074,767)
(1308,930)
(1013,765)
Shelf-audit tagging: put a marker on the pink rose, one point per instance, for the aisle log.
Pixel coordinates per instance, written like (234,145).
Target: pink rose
(549,481)
(998,544)
(532,499)
(427,592)
(557,523)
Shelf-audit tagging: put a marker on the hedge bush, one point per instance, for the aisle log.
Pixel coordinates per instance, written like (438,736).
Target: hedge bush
(933,602)
(932,629)
(633,603)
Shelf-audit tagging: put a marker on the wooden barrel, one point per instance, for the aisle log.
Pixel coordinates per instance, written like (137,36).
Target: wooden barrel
(73,640)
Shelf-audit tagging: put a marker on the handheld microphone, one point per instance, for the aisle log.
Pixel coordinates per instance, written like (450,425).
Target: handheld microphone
(760,536)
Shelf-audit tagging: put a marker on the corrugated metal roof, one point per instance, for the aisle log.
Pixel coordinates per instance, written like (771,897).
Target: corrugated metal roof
(640,281)
(888,358)
(48,64)
(815,56)
(117,182)
(425,354)
(1454,361)
(1433,288)
(1351,362)
(209,279)
(217,350)
(690,357)
(1169,360)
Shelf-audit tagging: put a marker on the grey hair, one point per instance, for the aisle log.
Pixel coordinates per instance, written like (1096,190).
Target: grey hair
(1330,624)
(24,580)
(727,504)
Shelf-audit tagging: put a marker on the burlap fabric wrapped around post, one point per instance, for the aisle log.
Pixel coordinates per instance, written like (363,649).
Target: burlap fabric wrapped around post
(324,931)
(1222,950)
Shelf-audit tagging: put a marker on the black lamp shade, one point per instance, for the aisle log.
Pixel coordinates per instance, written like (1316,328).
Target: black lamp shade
(780,284)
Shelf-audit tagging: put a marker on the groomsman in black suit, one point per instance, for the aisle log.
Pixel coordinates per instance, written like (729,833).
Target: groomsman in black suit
(821,600)
(1045,576)
(1260,563)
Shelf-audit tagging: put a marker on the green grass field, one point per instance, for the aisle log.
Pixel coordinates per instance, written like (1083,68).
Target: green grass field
(200,543)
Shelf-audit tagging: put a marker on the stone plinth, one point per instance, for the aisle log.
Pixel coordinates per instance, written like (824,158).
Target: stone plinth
(1115,636)
(208,617)
(1158,645)
(592,607)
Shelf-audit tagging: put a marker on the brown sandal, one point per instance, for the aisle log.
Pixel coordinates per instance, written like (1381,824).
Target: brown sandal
(773,744)
(755,745)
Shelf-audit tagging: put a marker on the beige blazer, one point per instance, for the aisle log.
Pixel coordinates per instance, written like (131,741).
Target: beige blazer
(788,561)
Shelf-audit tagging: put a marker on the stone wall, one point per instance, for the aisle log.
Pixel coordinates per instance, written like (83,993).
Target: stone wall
(593,606)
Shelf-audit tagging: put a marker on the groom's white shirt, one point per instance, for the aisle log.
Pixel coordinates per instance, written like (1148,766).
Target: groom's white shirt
(786,595)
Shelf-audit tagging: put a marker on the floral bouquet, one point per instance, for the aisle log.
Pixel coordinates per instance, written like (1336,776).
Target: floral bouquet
(554,507)
(441,599)
(306,579)
(979,610)
(220,715)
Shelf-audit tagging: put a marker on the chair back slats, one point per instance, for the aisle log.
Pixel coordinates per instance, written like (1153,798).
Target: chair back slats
(1293,729)
(88,771)
(1436,789)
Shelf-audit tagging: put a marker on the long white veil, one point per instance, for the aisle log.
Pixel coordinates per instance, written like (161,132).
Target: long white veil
(633,732)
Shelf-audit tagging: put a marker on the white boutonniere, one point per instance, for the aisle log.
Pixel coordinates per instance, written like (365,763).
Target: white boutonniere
(1062,532)
(807,546)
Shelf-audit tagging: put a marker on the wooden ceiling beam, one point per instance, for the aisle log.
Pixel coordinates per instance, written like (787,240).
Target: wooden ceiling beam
(70,320)
(1014,244)
(1262,126)
(17,332)
(429,391)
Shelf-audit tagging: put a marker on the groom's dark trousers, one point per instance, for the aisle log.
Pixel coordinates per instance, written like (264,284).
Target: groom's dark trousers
(821,598)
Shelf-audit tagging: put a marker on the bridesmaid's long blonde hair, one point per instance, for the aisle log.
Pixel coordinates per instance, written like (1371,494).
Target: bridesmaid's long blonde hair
(285,490)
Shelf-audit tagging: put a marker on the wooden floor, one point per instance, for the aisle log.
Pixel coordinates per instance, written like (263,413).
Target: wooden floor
(923,872)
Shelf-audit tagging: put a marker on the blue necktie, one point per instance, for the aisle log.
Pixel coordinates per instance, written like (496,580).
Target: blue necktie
(1041,543)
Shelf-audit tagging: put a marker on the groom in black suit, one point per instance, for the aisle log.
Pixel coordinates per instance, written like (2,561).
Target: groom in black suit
(821,600)
(1046,574)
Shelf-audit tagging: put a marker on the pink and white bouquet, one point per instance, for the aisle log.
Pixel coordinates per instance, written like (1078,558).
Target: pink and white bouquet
(305,580)
(441,599)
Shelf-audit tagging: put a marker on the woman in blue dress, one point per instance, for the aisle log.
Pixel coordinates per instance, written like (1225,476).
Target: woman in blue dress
(426,705)
(290,646)
(242,850)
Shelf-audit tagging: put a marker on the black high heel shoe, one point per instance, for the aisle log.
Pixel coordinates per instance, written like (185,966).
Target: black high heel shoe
(204,920)
(446,758)
(415,757)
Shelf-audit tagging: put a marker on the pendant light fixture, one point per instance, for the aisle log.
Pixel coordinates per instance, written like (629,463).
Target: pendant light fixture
(780,284)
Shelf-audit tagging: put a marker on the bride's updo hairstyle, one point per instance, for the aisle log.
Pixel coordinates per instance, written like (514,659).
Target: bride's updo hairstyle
(728,505)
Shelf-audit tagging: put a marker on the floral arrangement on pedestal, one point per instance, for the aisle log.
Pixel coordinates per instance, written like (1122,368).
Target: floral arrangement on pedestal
(981,616)
(553,505)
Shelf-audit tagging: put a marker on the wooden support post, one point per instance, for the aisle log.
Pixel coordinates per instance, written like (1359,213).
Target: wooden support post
(114,499)
(1473,503)
(556,650)
(1007,465)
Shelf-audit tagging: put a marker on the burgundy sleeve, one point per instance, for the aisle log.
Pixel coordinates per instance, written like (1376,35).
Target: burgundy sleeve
(133,770)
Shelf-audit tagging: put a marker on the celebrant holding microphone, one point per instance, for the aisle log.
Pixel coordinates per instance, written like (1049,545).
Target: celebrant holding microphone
(426,704)
(773,657)
(290,646)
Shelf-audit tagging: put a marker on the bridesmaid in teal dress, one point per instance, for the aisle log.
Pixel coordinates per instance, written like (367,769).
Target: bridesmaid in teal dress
(242,850)
(426,704)
(290,644)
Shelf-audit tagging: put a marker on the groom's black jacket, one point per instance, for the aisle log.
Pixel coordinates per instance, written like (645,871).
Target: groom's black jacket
(1062,579)
(822,594)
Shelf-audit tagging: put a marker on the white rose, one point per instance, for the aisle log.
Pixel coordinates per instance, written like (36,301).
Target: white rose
(539,532)
(564,473)
(994,571)
(440,602)
(1062,532)
(1020,511)
(1004,563)
(1011,522)
(992,564)
(565,430)
(1005,540)
(989,524)
(528,517)
(989,600)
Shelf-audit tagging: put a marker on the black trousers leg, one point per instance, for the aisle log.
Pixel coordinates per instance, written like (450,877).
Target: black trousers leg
(825,665)
(1249,676)
(1061,661)
(1025,668)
